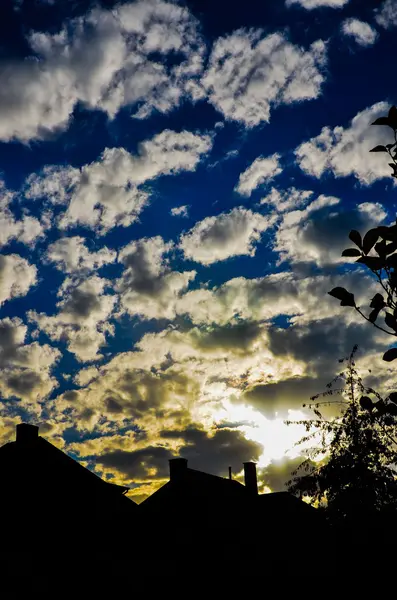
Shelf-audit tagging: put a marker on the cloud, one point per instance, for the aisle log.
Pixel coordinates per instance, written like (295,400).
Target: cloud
(264,298)
(386,15)
(25,230)
(81,321)
(220,237)
(319,232)
(215,451)
(345,151)
(146,463)
(278,472)
(286,200)
(249,73)
(229,376)
(105,193)
(17,276)
(311,4)
(261,171)
(148,287)
(318,345)
(24,368)
(104,60)
(180,211)
(71,255)
(362,32)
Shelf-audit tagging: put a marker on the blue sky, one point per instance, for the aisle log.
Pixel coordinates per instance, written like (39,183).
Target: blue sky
(178,182)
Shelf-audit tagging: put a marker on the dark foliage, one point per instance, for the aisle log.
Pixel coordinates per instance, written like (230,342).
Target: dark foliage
(355,452)
(377,251)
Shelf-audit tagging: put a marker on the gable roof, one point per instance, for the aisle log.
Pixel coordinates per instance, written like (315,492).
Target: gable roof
(41,461)
(195,486)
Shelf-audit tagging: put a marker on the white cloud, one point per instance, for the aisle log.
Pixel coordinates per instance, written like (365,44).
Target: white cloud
(386,15)
(261,171)
(242,300)
(362,32)
(104,60)
(71,255)
(148,287)
(345,151)
(319,232)
(311,4)
(180,211)
(17,276)
(104,194)
(229,234)
(248,73)
(81,321)
(286,200)
(25,230)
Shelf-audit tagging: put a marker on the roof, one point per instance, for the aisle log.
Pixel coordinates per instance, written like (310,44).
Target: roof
(196,486)
(43,461)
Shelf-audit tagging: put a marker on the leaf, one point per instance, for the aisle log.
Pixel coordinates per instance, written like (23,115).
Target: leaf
(392,247)
(373,315)
(391,321)
(370,239)
(390,355)
(393,397)
(351,252)
(392,409)
(366,403)
(388,233)
(355,238)
(380,407)
(391,260)
(377,302)
(392,117)
(379,149)
(381,249)
(346,298)
(372,262)
(381,121)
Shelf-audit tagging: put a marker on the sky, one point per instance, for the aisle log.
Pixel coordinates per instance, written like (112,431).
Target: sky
(177,183)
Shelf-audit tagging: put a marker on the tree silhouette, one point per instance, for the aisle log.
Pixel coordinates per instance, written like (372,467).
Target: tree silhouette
(350,470)
(377,251)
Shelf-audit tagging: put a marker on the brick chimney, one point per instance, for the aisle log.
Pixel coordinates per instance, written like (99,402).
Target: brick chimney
(250,479)
(178,468)
(27,434)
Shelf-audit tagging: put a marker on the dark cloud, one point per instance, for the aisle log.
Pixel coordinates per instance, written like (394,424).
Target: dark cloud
(276,475)
(330,229)
(8,341)
(139,391)
(140,274)
(319,345)
(283,395)
(138,463)
(24,383)
(82,303)
(319,233)
(214,453)
(228,337)
(71,395)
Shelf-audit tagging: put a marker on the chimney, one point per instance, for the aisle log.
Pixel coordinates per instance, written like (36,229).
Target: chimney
(178,468)
(251,483)
(27,434)
(230,472)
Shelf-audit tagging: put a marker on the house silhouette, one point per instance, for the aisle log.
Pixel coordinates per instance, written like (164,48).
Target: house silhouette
(195,516)
(44,490)
(212,516)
